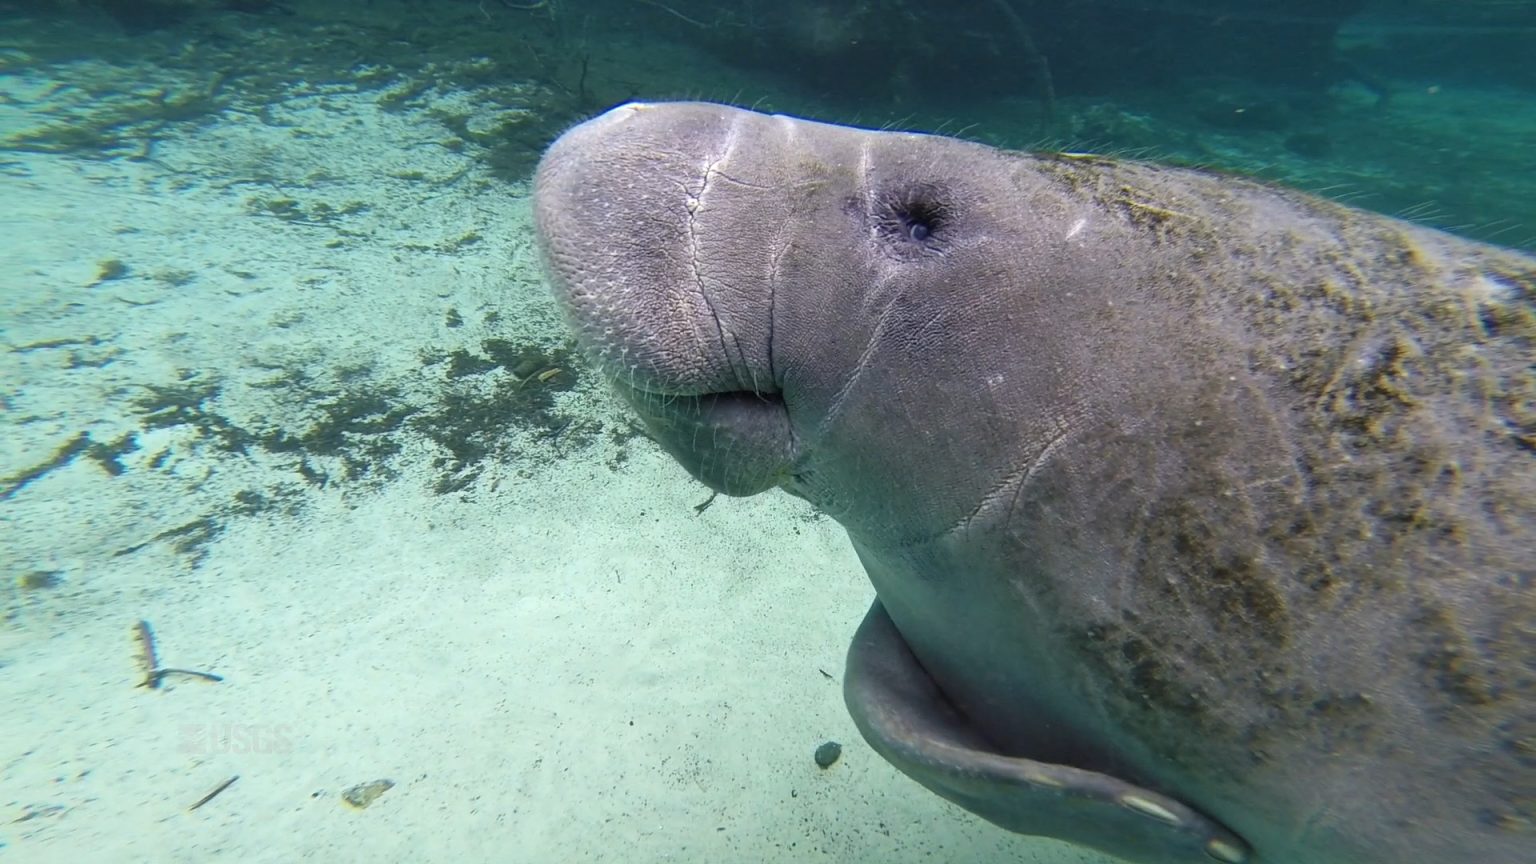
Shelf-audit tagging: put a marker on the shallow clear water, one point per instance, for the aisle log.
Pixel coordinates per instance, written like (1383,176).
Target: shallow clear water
(283,382)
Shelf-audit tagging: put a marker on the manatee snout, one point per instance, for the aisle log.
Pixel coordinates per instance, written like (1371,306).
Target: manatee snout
(618,203)
(635,210)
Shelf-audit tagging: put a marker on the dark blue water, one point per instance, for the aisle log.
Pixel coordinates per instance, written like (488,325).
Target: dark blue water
(1405,106)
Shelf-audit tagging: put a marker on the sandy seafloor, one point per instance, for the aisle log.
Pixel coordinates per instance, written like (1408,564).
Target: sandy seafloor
(559,661)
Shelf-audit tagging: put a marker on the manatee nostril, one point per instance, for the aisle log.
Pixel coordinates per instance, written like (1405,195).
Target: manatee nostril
(919,217)
(914,220)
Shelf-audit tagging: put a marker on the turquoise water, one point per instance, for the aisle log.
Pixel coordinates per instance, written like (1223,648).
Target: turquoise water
(283,382)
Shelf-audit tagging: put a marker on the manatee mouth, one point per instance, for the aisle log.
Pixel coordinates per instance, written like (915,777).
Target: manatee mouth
(735,442)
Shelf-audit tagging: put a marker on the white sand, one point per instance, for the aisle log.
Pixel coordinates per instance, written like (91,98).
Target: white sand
(563,662)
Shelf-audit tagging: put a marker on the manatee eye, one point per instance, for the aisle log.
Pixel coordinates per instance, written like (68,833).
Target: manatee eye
(913,220)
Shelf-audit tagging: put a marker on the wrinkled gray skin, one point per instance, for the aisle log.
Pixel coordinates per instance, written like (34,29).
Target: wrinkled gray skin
(1202,515)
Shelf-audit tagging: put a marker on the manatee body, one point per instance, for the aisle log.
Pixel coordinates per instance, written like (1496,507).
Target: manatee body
(1201,514)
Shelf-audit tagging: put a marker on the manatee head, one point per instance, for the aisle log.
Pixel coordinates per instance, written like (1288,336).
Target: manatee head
(776,297)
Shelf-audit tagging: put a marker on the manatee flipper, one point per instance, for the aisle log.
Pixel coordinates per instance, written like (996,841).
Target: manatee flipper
(908,720)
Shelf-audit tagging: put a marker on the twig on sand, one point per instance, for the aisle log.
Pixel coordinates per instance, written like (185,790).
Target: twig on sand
(149,660)
(216,790)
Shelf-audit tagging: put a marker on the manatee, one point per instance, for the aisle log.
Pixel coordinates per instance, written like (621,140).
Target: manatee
(1200,514)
